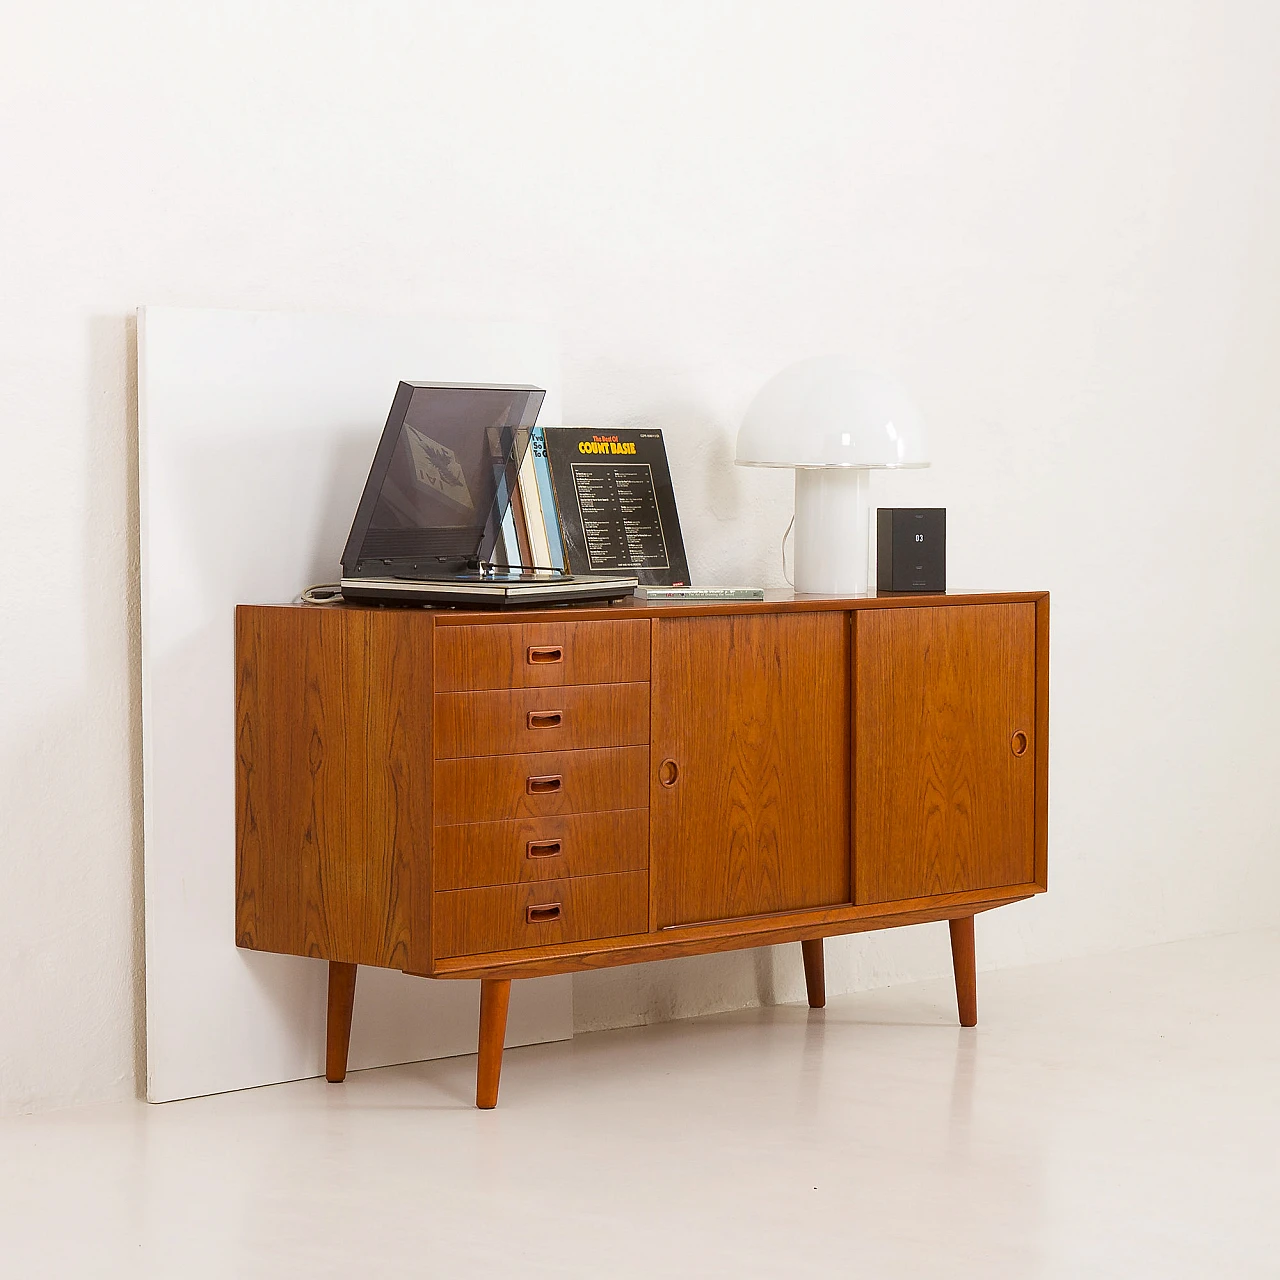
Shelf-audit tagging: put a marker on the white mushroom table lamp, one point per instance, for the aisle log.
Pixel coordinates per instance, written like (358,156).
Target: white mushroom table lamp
(834,423)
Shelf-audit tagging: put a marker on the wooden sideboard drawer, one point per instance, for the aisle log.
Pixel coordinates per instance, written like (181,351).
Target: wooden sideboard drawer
(491,788)
(504,918)
(581,844)
(515,656)
(504,722)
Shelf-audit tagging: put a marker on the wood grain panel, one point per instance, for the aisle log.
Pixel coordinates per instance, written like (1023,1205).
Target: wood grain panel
(472,921)
(335,777)
(1041,744)
(692,940)
(752,711)
(582,844)
(333,783)
(500,657)
(506,722)
(942,803)
(493,788)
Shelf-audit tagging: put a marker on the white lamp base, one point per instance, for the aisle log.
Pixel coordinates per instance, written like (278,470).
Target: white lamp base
(831,530)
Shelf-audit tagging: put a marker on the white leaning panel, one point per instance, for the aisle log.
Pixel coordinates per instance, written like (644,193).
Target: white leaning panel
(256,431)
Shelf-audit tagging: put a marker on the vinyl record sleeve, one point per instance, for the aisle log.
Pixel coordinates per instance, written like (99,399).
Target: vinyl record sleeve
(615,503)
(540,503)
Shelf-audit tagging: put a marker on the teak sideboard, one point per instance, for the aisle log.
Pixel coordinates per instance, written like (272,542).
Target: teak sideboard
(514,794)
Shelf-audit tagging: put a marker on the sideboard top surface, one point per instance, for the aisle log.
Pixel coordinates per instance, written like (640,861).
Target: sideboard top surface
(775,601)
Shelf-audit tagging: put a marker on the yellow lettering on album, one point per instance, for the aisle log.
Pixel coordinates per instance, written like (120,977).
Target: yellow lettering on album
(606,446)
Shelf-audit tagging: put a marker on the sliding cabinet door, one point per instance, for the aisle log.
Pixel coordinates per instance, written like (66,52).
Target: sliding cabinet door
(944,732)
(749,801)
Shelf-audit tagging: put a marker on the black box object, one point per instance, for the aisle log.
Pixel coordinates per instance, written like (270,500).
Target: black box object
(911,549)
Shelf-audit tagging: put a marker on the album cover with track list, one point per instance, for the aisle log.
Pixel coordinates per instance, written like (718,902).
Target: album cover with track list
(615,504)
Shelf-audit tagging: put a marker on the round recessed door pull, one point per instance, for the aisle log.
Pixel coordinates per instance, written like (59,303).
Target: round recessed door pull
(1018,743)
(668,772)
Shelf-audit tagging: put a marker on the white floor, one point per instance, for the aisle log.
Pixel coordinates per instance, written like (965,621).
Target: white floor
(1113,1116)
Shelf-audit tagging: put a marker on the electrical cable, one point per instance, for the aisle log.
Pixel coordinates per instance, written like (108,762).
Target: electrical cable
(325,593)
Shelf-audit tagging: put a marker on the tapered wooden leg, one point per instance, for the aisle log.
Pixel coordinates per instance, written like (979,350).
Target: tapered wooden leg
(962,960)
(495,994)
(342,998)
(815,975)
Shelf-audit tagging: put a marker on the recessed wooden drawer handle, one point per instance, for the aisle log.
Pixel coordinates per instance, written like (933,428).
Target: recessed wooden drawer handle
(544,785)
(668,772)
(544,719)
(1019,743)
(542,915)
(542,849)
(545,653)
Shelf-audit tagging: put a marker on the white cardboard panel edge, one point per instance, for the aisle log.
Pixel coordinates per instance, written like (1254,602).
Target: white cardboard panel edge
(256,430)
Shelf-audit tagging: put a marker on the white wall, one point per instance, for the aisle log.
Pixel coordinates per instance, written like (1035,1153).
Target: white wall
(1057,223)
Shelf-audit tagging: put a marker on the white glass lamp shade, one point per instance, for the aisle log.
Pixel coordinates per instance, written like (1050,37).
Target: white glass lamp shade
(826,412)
(833,423)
